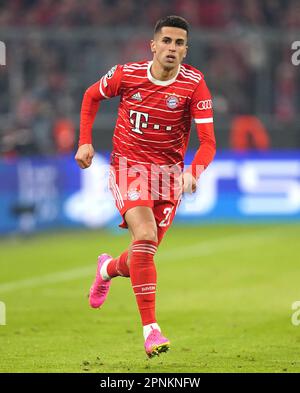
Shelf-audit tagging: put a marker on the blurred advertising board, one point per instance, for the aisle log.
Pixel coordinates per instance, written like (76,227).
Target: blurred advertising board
(43,193)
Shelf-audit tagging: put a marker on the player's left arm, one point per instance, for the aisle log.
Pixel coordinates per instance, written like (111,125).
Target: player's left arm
(202,113)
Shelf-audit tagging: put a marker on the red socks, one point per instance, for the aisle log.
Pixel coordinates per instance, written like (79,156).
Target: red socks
(118,266)
(143,278)
(142,273)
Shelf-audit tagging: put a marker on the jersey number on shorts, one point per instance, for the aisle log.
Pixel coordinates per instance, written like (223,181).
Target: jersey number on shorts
(166,221)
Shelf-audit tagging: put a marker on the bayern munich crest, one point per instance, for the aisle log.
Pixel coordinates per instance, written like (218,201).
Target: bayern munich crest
(133,195)
(172,102)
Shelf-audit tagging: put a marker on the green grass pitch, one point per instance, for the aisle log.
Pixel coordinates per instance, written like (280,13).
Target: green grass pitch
(224,300)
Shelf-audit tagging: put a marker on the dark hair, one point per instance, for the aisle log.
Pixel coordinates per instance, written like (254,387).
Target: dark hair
(172,21)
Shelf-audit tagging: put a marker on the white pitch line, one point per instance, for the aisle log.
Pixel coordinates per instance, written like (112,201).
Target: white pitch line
(52,278)
(203,249)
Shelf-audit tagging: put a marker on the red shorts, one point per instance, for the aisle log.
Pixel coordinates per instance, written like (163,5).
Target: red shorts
(135,190)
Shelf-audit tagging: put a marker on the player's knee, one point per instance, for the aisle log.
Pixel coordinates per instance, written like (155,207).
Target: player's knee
(146,233)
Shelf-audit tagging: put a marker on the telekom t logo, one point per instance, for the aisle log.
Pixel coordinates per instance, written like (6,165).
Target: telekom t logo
(136,118)
(140,120)
(2,54)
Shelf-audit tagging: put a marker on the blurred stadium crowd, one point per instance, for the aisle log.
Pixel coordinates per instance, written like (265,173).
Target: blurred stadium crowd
(216,14)
(55,49)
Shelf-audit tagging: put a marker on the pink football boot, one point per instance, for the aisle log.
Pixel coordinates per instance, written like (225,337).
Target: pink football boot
(156,343)
(100,288)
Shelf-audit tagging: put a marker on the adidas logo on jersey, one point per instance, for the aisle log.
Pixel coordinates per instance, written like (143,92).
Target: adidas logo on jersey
(137,96)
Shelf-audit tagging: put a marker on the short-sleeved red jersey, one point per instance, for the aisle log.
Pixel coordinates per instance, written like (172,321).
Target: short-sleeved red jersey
(154,117)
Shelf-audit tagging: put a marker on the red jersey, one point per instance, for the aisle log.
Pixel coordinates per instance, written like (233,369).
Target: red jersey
(154,117)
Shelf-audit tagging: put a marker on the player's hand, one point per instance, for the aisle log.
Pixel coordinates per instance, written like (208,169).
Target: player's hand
(84,156)
(189,183)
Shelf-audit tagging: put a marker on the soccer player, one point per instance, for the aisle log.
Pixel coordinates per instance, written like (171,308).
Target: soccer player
(158,100)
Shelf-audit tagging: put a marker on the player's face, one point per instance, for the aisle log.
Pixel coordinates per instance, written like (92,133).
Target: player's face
(169,47)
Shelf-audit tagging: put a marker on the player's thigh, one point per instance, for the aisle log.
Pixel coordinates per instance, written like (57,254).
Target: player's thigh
(141,223)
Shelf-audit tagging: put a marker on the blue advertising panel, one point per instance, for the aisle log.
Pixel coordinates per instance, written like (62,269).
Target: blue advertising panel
(257,186)
(40,193)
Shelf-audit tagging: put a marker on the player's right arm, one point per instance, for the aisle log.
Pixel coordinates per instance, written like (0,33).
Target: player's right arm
(84,155)
(108,86)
